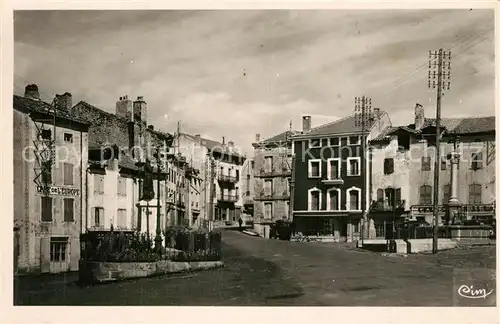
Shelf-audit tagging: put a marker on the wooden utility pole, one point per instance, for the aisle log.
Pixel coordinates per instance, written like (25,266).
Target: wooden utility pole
(363,118)
(437,61)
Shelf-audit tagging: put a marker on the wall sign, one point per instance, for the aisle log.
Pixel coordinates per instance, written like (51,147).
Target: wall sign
(60,191)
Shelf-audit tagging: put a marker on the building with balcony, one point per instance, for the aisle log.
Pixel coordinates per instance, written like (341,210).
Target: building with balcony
(328,196)
(248,189)
(272,174)
(403,160)
(50,164)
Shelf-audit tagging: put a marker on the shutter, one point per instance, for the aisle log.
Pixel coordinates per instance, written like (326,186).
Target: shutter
(391,166)
(479,160)
(380,195)
(398,197)
(74,253)
(45,254)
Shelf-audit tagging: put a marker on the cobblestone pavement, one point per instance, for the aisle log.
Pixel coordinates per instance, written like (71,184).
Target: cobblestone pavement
(262,272)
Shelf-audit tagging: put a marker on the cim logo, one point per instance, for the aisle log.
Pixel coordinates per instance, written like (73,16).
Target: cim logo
(472,293)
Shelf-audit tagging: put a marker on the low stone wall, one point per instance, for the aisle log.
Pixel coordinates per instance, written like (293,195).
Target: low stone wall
(410,246)
(470,234)
(100,272)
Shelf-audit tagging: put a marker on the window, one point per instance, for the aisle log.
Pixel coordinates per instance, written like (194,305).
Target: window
(388,166)
(268,164)
(316,142)
(354,140)
(334,141)
(353,166)
(68,138)
(443,163)
(46,209)
(237,174)
(121,218)
(99,183)
(333,168)
(446,193)
(477,161)
(47,172)
(268,210)
(355,227)
(58,249)
(122,186)
(98,216)
(353,196)
(397,194)
(46,134)
(68,173)
(380,195)
(334,199)
(314,168)
(426,163)
(315,200)
(268,187)
(425,195)
(69,210)
(475,194)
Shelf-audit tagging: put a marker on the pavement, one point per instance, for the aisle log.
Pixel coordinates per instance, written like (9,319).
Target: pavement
(260,272)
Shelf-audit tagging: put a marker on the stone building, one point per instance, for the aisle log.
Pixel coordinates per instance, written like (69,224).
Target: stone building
(248,189)
(50,163)
(272,173)
(329,200)
(403,171)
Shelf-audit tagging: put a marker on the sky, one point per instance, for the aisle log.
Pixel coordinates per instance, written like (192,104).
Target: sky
(236,73)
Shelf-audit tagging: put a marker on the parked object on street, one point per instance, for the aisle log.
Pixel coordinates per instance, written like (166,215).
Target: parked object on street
(281,229)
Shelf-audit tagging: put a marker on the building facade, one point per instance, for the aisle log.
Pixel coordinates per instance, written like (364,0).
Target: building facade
(49,185)
(248,190)
(404,161)
(272,173)
(329,200)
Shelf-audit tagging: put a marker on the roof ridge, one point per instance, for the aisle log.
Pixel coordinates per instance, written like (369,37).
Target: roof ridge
(331,123)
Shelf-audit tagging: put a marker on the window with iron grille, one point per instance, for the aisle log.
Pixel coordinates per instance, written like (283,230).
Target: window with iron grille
(477,161)
(426,163)
(69,204)
(46,209)
(475,194)
(425,195)
(388,166)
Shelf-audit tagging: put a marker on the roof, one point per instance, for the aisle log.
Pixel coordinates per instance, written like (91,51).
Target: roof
(391,130)
(466,125)
(282,137)
(346,125)
(39,106)
(211,144)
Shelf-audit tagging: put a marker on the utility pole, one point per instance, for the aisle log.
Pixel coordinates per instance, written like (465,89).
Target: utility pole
(437,62)
(363,118)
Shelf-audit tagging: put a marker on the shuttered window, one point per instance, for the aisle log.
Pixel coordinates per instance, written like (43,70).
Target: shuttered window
(425,195)
(477,161)
(426,163)
(68,174)
(380,195)
(388,166)
(122,186)
(397,194)
(475,194)
(315,200)
(46,209)
(69,210)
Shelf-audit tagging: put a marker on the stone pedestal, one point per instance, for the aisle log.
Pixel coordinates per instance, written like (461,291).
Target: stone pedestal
(453,205)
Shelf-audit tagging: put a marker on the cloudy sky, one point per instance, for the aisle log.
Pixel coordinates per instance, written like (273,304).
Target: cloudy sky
(238,73)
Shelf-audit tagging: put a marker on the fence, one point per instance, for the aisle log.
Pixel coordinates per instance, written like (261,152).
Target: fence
(417,232)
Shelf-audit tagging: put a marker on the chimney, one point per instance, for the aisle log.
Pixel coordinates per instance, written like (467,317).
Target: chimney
(306,124)
(419,116)
(64,101)
(151,127)
(124,107)
(376,114)
(197,138)
(257,138)
(31,91)
(223,140)
(140,110)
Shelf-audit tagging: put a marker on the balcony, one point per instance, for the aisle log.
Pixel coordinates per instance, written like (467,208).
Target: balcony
(381,206)
(272,196)
(227,178)
(283,172)
(332,180)
(227,198)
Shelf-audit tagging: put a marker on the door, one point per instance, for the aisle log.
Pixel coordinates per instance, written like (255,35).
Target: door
(59,257)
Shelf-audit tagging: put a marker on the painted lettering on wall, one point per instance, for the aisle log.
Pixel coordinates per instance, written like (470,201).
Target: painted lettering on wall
(61,191)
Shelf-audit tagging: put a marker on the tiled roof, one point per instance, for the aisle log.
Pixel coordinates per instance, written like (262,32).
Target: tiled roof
(464,125)
(282,137)
(211,145)
(33,105)
(391,129)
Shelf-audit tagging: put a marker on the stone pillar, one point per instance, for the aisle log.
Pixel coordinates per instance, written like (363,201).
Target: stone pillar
(453,204)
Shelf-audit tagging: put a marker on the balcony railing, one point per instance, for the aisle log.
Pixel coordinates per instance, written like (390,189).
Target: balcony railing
(263,173)
(332,180)
(467,208)
(227,198)
(272,196)
(227,178)
(386,206)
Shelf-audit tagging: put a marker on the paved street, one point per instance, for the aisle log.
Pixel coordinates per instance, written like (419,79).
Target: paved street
(262,272)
